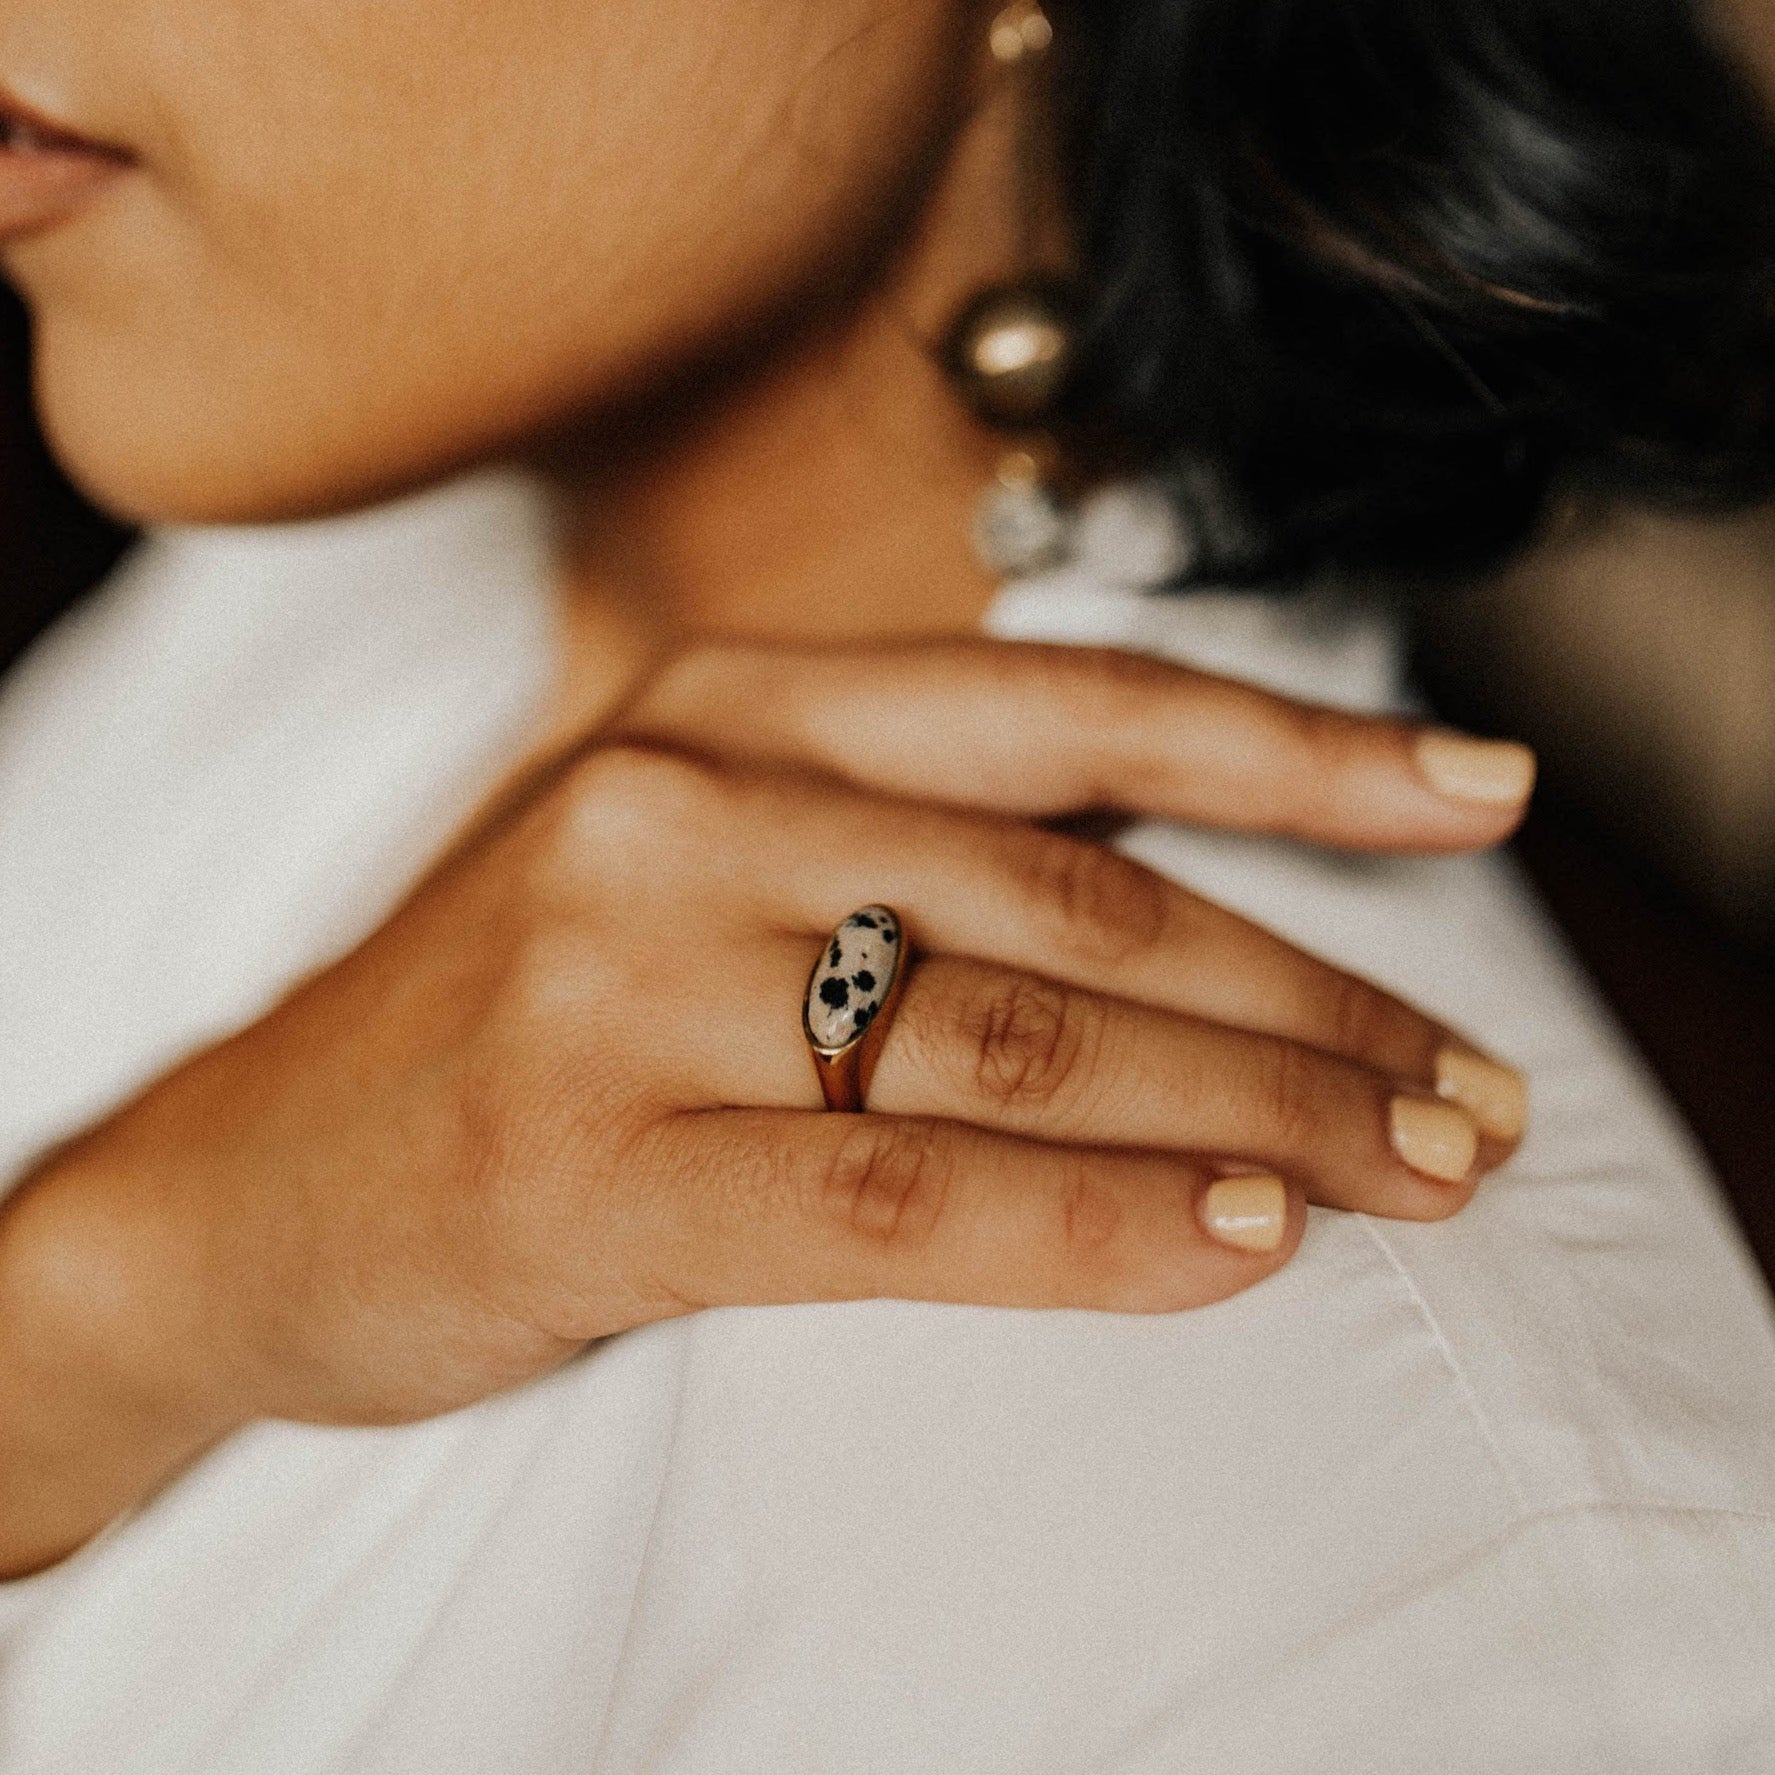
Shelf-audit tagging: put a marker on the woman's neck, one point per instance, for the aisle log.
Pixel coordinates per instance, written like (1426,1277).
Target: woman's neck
(825,495)
(828,499)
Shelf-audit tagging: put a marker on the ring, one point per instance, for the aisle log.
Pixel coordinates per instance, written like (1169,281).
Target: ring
(851,996)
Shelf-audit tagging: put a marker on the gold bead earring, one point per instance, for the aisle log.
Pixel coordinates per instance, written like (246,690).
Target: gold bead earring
(1010,352)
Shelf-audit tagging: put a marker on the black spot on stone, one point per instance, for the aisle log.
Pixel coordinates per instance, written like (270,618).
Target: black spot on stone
(835,992)
(835,954)
(889,934)
(863,1016)
(863,980)
(863,922)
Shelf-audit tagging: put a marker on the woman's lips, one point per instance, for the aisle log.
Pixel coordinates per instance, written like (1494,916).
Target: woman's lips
(47,172)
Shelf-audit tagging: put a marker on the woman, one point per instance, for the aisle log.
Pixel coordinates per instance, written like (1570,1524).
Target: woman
(692,267)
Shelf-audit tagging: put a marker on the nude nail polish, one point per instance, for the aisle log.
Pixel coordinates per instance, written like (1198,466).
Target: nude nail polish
(1248,1213)
(1493,773)
(1494,1095)
(1434,1138)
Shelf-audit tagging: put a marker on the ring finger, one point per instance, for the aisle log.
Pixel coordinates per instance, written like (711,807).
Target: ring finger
(1080,914)
(1020,1054)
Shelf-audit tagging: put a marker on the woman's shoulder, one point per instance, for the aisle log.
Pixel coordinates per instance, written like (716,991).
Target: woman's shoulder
(1594,1311)
(1595,1308)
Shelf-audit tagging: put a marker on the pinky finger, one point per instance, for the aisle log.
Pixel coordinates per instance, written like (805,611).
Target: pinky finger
(781,1206)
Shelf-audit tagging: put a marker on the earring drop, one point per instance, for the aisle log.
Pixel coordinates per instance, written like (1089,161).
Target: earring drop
(1022,29)
(1008,355)
(1020,525)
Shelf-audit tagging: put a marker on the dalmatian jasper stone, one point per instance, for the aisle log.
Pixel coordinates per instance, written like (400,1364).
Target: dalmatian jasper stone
(853,978)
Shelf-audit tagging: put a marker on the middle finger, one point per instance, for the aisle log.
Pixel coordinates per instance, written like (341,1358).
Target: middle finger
(1084,915)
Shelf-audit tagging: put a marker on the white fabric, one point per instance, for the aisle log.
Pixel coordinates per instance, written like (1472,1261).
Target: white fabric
(1495,1495)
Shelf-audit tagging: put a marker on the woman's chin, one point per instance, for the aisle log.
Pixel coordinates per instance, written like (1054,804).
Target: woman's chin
(155,492)
(210,453)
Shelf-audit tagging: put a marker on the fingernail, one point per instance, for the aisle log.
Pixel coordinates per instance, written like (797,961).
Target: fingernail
(1494,773)
(1248,1213)
(1495,1095)
(1434,1138)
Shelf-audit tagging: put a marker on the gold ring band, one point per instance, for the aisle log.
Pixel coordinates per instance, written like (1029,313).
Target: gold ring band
(851,996)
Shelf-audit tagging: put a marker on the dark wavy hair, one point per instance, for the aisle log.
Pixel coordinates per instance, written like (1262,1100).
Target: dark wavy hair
(1375,278)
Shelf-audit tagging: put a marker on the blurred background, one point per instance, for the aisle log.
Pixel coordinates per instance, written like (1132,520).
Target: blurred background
(1637,653)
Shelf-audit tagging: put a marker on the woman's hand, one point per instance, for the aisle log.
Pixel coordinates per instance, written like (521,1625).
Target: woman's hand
(563,1092)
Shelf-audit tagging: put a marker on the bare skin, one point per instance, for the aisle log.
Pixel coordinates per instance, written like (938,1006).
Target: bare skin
(495,1131)
(685,257)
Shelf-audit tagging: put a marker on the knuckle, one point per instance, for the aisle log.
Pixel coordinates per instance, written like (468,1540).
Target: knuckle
(1288,753)
(512,1148)
(1092,1219)
(889,1182)
(1293,1096)
(1030,1041)
(1108,687)
(1315,733)
(1373,1027)
(627,802)
(641,782)
(552,974)
(1141,1261)
(1356,1014)
(485,1142)
(694,668)
(695,683)
(1106,909)
(1301,724)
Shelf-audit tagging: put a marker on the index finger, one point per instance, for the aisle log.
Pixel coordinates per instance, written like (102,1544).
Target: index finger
(1043,731)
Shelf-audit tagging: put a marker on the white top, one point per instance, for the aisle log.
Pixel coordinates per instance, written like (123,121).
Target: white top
(1494,1497)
